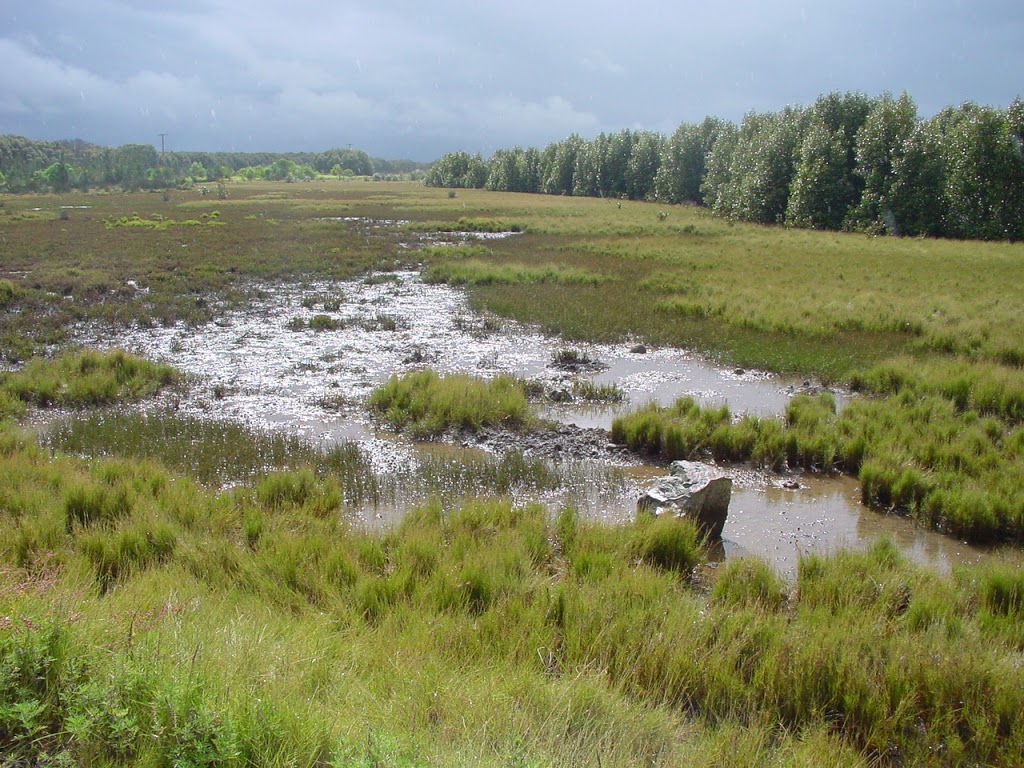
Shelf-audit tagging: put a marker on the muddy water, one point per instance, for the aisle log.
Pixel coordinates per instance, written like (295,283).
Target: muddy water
(254,367)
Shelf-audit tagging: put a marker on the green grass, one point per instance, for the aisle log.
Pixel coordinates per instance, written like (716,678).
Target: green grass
(474,272)
(198,627)
(424,403)
(914,452)
(84,378)
(146,619)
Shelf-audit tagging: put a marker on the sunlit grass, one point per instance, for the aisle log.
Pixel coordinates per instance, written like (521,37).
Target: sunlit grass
(144,615)
(85,378)
(424,403)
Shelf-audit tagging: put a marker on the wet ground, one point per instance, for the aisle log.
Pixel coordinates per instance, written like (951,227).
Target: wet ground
(267,366)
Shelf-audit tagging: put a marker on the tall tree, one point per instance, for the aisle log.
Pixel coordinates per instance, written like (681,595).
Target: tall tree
(684,159)
(717,187)
(762,166)
(561,165)
(880,146)
(915,196)
(642,168)
(820,193)
(983,175)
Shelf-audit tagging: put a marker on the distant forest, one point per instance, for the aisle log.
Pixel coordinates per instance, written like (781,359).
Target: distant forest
(849,162)
(27,165)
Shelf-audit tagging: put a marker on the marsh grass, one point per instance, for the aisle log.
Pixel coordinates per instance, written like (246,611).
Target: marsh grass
(160,222)
(472,271)
(464,224)
(916,454)
(240,629)
(171,624)
(86,378)
(216,453)
(425,403)
(285,469)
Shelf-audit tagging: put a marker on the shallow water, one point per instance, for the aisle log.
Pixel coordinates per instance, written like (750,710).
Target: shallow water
(253,368)
(266,374)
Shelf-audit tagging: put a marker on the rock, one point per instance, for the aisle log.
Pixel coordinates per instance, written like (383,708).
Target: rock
(694,490)
(639,349)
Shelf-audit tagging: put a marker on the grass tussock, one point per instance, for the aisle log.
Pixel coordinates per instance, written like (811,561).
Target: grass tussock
(918,454)
(158,222)
(425,403)
(475,272)
(252,628)
(84,378)
(469,224)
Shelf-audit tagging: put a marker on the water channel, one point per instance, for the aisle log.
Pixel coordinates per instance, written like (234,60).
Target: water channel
(267,367)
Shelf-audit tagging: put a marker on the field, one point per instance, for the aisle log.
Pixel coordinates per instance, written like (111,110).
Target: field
(149,615)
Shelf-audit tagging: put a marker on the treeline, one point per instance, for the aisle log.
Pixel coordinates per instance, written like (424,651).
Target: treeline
(27,165)
(848,162)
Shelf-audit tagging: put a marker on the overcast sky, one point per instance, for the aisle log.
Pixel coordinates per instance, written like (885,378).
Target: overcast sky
(418,78)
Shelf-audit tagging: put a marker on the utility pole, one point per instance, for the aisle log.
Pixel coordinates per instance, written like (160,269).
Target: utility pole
(162,144)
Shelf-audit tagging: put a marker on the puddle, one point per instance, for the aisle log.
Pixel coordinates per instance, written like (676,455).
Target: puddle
(254,368)
(266,374)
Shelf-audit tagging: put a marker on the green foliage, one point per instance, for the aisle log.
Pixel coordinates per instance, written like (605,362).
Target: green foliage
(881,149)
(427,404)
(475,272)
(849,161)
(458,170)
(667,542)
(479,631)
(820,195)
(86,378)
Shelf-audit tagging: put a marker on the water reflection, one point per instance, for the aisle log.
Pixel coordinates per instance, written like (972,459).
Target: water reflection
(266,366)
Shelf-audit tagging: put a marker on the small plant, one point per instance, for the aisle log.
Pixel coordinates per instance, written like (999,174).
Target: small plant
(8,291)
(570,359)
(380,322)
(427,404)
(668,542)
(590,392)
(324,323)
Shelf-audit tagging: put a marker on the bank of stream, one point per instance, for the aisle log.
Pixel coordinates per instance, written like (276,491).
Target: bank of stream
(304,358)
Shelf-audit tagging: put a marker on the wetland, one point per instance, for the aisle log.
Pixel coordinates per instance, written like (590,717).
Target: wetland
(228,536)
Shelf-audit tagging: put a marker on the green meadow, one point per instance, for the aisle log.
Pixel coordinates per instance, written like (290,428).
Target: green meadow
(174,593)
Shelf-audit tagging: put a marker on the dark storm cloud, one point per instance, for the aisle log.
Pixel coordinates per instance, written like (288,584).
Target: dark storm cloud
(418,79)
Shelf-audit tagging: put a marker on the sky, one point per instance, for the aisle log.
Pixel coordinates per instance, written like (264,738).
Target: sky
(414,79)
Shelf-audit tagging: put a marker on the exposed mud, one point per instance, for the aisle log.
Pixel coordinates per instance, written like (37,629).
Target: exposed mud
(307,356)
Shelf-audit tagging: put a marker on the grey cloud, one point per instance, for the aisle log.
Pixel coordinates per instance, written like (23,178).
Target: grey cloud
(410,78)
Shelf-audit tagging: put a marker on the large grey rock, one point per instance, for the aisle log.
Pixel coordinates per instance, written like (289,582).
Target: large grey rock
(694,490)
